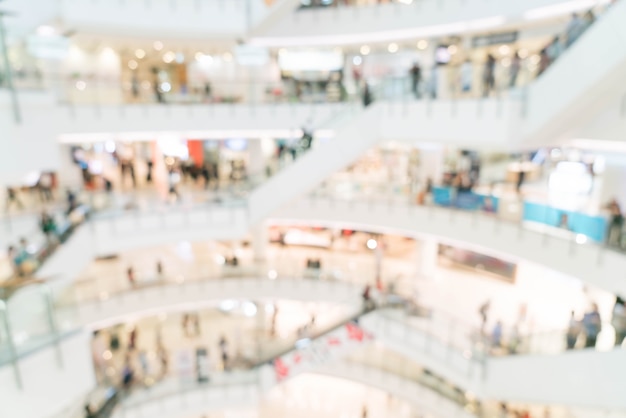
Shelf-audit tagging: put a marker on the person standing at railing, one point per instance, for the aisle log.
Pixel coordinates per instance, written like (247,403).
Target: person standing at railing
(592,324)
(489,75)
(416,76)
(483,311)
(516,65)
(467,76)
(619,321)
(367,95)
(130,275)
(614,233)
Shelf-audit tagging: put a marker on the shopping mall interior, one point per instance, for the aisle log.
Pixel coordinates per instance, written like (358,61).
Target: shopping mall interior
(312,208)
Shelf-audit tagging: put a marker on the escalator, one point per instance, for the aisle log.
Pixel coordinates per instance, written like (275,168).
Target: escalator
(357,131)
(582,83)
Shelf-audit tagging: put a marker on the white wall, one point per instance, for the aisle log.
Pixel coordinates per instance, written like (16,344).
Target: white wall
(47,387)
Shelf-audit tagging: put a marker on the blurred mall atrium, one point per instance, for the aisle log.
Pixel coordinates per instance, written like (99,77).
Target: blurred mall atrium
(312,208)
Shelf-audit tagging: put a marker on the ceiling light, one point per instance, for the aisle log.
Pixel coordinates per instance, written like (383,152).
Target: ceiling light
(365,50)
(132,64)
(393,47)
(523,53)
(168,57)
(453,49)
(372,244)
(158,45)
(140,53)
(357,60)
(504,50)
(423,44)
(46,30)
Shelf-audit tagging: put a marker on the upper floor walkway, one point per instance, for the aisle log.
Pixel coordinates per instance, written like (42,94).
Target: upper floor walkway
(525,118)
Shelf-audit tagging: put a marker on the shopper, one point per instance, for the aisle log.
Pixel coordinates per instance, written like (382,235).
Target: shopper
(159,269)
(127,374)
(367,95)
(367,298)
(273,322)
(13,199)
(496,335)
(72,202)
(130,275)
(489,75)
(554,49)
(416,76)
(174,179)
(483,311)
(45,187)
(614,235)
(467,76)
(574,29)
(544,61)
(573,331)
(592,324)
(149,167)
(619,320)
(132,339)
(223,344)
(48,226)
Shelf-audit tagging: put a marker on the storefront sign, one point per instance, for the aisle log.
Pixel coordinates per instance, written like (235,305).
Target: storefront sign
(494,39)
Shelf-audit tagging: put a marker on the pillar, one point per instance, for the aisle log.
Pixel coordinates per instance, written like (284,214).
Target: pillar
(256,160)
(427,254)
(260,240)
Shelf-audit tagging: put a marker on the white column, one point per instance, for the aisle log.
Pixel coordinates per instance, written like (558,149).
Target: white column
(260,240)
(69,174)
(256,160)
(427,253)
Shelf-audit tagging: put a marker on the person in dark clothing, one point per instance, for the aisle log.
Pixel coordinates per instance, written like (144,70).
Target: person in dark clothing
(416,76)
(489,75)
(150,165)
(592,324)
(367,95)
(71,201)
